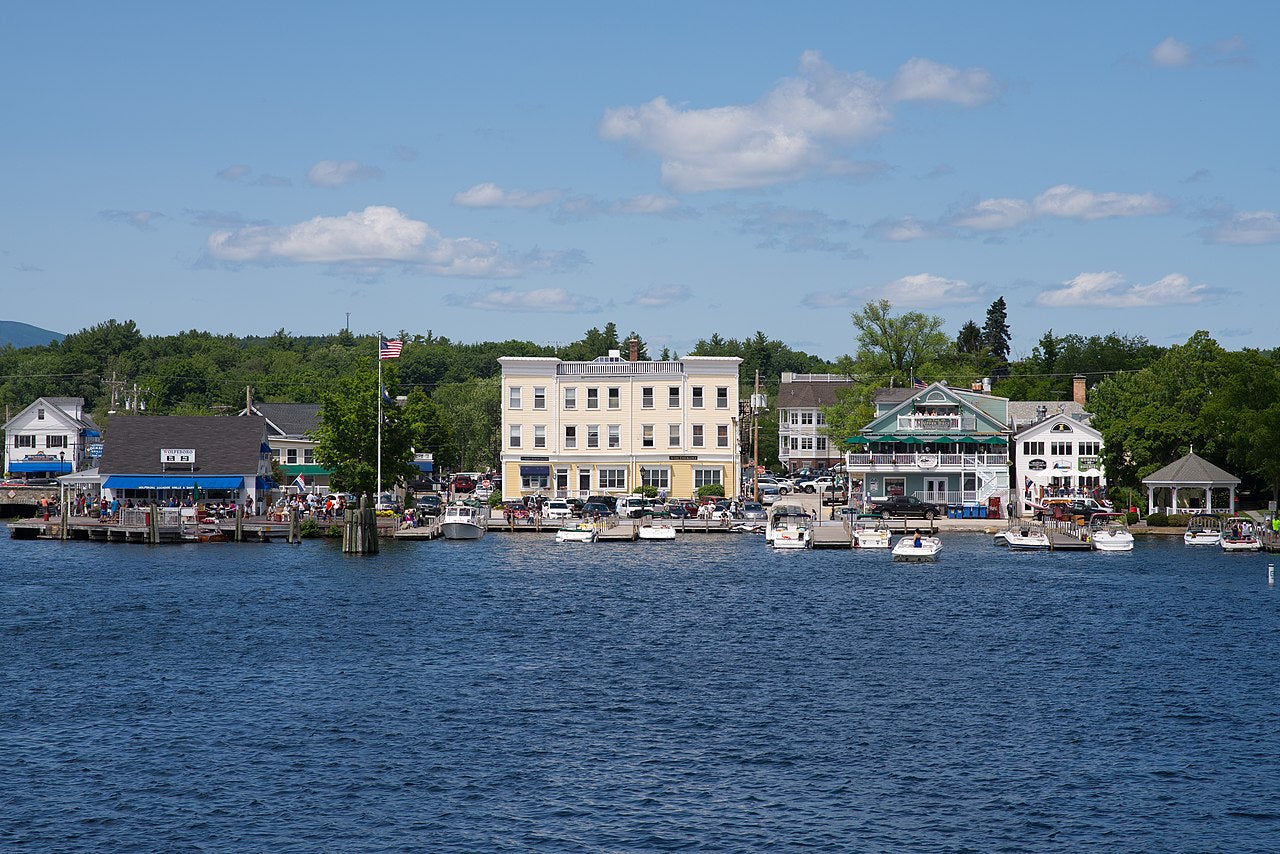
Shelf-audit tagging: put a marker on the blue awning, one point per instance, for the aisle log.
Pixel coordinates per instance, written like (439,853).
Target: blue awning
(535,471)
(163,481)
(425,465)
(93,433)
(41,466)
(264,483)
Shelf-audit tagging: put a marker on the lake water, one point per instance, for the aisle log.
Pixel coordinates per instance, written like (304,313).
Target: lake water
(708,694)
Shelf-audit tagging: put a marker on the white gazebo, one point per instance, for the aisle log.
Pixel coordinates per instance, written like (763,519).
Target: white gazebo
(1191,472)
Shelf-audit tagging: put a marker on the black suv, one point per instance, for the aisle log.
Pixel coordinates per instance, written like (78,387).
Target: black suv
(906,505)
(428,505)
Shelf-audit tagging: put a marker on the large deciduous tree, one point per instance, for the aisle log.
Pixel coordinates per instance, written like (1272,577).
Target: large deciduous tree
(347,438)
(890,345)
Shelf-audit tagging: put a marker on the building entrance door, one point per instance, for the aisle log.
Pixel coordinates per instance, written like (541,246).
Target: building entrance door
(584,482)
(935,490)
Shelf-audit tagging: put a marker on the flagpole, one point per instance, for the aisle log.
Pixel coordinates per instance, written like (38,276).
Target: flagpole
(378,392)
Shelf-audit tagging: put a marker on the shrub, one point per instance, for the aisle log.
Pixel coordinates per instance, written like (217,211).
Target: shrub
(1179,520)
(716,489)
(333,532)
(646,491)
(309,528)
(1157,520)
(495,499)
(1131,518)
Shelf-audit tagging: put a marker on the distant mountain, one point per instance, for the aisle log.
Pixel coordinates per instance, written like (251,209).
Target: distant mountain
(26,335)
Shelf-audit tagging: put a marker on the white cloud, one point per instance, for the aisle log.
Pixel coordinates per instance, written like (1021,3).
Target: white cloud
(1246,228)
(924,289)
(1172,53)
(335,173)
(490,195)
(548,300)
(1063,201)
(790,131)
(584,207)
(141,220)
(925,80)
(378,236)
(660,297)
(901,230)
(1110,290)
(234,172)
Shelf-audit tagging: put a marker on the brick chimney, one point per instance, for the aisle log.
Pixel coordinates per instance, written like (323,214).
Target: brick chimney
(1077,389)
(633,351)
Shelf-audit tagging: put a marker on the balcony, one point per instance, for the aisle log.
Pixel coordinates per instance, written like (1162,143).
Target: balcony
(618,369)
(937,423)
(928,462)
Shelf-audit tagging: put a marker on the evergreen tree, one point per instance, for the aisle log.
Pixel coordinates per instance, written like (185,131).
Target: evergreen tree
(970,338)
(995,337)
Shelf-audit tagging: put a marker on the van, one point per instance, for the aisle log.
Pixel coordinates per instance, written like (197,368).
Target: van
(633,506)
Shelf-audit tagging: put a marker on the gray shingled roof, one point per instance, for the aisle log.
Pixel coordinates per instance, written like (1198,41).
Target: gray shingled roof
(1023,412)
(293,419)
(1191,469)
(222,445)
(806,394)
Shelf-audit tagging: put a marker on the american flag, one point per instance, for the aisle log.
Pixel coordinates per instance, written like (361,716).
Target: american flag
(915,383)
(389,349)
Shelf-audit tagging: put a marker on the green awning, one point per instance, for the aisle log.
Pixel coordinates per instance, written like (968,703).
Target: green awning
(969,440)
(910,440)
(995,440)
(857,440)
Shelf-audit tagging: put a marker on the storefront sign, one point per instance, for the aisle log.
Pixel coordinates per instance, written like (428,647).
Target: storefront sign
(1037,465)
(178,456)
(683,457)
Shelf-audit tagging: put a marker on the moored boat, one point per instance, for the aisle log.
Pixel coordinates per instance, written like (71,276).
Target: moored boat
(463,522)
(1027,536)
(789,527)
(649,530)
(1109,532)
(577,532)
(1203,529)
(1240,535)
(870,532)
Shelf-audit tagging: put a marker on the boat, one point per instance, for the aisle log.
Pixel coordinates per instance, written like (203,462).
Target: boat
(463,522)
(1240,535)
(870,532)
(1027,536)
(789,527)
(906,549)
(1204,529)
(648,530)
(577,532)
(1109,532)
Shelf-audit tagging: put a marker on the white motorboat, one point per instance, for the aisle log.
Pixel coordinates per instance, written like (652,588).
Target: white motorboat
(1027,536)
(1204,529)
(870,532)
(907,550)
(464,522)
(1240,535)
(577,532)
(789,527)
(649,530)
(1109,532)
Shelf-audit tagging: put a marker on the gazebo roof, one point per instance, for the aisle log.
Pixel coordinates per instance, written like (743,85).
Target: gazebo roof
(1191,470)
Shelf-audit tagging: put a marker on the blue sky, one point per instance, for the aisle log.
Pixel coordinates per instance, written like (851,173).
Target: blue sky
(530,170)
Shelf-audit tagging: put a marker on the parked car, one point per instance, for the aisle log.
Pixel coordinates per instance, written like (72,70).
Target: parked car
(754,510)
(388,501)
(633,506)
(676,510)
(575,505)
(462,483)
(595,508)
(557,508)
(906,505)
(611,501)
(769,493)
(817,484)
(428,505)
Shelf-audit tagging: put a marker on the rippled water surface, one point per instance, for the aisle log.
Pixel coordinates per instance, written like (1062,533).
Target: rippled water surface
(708,694)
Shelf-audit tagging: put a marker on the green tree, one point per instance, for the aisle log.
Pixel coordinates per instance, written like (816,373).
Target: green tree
(995,337)
(347,438)
(898,346)
(969,339)
(471,418)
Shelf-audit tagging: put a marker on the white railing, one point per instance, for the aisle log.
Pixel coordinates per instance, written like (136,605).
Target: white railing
(931,461)
(617,369)
(937,423)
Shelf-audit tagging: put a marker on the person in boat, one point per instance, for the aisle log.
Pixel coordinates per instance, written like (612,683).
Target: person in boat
(917,542)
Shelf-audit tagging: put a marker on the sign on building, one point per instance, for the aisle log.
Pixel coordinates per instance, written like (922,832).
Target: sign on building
(178,456)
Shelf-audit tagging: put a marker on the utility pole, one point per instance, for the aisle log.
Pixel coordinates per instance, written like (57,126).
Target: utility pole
(755,441)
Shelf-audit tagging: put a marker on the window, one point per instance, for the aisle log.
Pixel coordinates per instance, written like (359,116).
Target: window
(52,441)
(673,397)
(806,417)
(1090,449)
(820,419)
(821,443)
(540,436)
(615,398)
(706,477)
(535,481)
(593,398)
(895,486)
(513,397)
(795,417)
(291,456)
(570,398)
(612,478)
(593,435)
(615,436)
(646,436)
(1060,449)
(515,435)
(646,397)
(722,397)
(279,455)
(697,435)
(806,443)
(24,441)
(722,436)
(795,443)
(673,435)
(658,478)
(1033,449)
(40,414)
(695,399)
(309,456)
(539,397)
(570,437)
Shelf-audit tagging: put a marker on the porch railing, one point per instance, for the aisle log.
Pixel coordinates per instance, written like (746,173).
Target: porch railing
(931,461)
